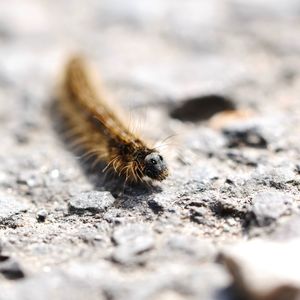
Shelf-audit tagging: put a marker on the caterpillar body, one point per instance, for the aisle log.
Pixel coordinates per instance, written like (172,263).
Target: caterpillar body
(99,132)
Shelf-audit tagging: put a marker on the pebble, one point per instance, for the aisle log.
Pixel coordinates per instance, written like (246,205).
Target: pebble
(42,215)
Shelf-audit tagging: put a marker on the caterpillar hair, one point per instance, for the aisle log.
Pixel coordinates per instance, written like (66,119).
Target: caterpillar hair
(97,129)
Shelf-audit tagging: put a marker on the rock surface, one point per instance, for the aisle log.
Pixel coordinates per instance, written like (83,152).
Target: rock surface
(216,81)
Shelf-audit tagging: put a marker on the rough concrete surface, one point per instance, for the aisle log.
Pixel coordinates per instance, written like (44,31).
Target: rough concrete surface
(221,78)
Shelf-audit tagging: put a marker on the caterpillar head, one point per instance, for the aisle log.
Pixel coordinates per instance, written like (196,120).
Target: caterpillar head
(139,163)
(155,166)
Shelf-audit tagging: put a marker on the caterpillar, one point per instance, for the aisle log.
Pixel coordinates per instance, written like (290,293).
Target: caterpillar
(97,129)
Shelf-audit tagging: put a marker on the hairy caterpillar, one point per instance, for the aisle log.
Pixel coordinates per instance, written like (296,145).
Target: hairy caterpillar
(99,132)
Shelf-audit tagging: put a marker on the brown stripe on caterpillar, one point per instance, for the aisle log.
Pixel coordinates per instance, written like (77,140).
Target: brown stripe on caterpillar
(99,131)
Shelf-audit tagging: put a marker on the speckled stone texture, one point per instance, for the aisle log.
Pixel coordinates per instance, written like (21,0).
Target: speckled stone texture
(218,81)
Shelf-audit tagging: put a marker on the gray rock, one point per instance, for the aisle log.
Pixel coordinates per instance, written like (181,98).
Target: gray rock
(9,207)
(269,206)
(93,202)
(132,240)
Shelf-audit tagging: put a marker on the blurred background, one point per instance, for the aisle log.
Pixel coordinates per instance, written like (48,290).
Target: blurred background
(170,49)
(151,52)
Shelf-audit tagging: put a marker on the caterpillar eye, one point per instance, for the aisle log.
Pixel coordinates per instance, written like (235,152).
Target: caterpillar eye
(155,166)
(153,161)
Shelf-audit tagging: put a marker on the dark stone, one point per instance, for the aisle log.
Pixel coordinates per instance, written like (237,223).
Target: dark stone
(156,207)
(245,135)
(10,269)
(42,215)
(229,207)
(201,108)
